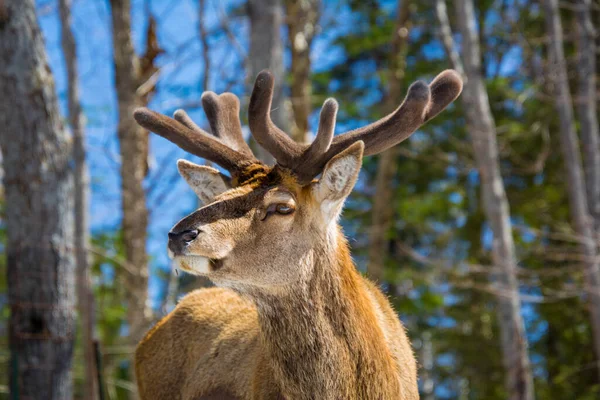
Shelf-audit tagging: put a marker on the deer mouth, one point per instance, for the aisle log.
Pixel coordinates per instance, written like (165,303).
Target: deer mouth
(195,265)
(215,264)
(198,265)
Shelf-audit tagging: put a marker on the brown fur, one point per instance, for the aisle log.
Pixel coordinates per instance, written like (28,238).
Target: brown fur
(296,321)
(214,340)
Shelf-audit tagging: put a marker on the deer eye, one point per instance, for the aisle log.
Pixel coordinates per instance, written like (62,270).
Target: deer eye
(284,209)
(281,209)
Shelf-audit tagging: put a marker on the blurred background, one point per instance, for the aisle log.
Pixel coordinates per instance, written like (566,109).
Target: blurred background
(483,228)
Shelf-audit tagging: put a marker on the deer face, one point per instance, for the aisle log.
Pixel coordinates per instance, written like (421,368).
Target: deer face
(261,228)
(260,234)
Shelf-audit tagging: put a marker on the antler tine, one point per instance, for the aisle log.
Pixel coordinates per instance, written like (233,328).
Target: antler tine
(322,141)
(223,113)
(421,104)
(269,136)
(193,140)
(326,129)
(445,88)
(393,128)
(183,117)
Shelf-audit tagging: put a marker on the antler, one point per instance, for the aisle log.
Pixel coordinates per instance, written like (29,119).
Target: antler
(286,151)
(223,113)
(230,151)
(422,103)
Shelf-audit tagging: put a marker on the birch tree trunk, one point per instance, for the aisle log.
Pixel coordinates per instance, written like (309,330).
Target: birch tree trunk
(85,295)
(578,203)
(39,221)
(482,129)
(203,34)
(427,362)
(382,213)
(266,52)
(587,106)
(133,141)
(302,18)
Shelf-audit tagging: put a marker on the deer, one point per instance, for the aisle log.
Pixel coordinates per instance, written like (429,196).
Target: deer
(290,316)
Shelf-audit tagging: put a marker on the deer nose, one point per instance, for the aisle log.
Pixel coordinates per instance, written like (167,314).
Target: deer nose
(179,240)
(183,236)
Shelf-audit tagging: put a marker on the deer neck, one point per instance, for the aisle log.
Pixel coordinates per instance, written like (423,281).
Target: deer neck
(323,337)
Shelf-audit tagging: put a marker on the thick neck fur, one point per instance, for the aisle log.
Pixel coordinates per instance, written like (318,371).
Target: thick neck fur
(323,337)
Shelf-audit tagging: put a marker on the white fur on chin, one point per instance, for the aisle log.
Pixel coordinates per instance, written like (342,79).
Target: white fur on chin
(196,265)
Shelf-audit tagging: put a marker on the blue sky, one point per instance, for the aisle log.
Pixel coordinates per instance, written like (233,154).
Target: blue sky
(168,197)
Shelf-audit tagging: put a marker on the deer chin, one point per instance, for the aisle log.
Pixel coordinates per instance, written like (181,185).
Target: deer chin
(197,265)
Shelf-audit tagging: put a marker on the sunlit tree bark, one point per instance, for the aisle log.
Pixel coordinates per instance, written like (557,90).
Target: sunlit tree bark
(39,212)
(133,85)
(482,129)
(302,18)
(382,212)
(266,52)
(81,243)
(587,106)
(578,200)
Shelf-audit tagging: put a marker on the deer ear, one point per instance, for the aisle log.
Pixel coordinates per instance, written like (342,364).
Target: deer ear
(338,179)
(205,181)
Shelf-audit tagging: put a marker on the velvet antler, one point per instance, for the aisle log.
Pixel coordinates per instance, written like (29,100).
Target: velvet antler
(422,103)
(286,151)
(223,113)
(228,149)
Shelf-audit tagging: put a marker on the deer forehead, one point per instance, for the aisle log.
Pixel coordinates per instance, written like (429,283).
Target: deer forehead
(265,188)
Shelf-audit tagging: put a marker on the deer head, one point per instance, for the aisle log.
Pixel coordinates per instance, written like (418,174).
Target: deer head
(260,226)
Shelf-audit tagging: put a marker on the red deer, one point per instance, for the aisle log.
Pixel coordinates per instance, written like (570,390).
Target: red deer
(291,317)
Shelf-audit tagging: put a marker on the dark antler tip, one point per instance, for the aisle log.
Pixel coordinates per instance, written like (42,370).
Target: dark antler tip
(141,114)
(208,94)
(450,80)
(450,75)
(418,91)
(265,73)
(210,100)
(264,77)
(330,105)
(179,113)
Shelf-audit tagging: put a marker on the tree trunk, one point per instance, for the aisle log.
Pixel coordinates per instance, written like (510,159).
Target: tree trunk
(205,48)
(266,52)
(302,18)
(39,220)
(133,141)
(582,220)
(85,295)
(427,363)
(382,213)
(482,129)
(587,107)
